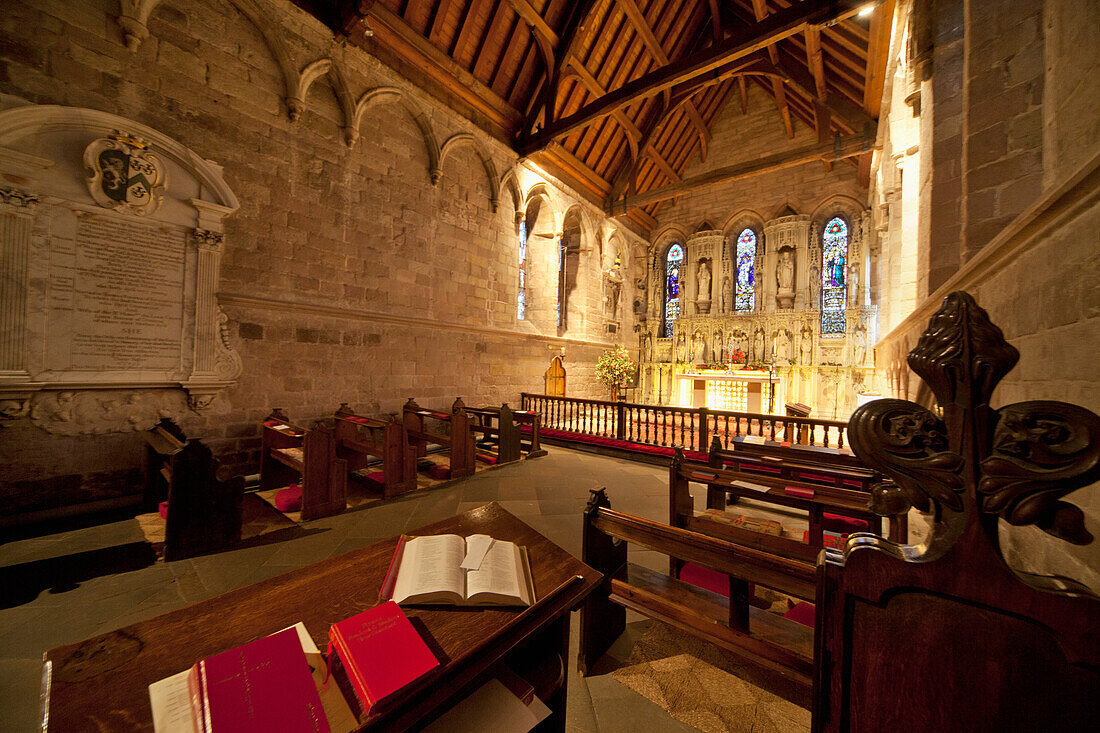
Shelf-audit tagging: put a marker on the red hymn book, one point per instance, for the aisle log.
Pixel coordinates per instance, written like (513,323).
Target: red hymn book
(381,652)
(265,685)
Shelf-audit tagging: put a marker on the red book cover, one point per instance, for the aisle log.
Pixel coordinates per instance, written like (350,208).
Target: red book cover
(264,685)
(798,491)
(381,652)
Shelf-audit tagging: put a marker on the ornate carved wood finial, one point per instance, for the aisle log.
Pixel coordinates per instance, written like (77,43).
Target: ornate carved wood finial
(977,463)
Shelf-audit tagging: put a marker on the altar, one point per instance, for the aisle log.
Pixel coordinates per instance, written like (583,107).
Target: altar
(741,390)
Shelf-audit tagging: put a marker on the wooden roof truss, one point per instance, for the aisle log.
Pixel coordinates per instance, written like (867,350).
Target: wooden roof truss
(616,96)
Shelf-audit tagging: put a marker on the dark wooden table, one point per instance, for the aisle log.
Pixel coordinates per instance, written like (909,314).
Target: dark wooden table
(101,684)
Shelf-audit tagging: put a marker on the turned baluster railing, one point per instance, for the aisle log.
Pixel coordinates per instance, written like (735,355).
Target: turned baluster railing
(669,426)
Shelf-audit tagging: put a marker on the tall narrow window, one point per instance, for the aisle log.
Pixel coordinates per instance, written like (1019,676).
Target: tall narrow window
(745,295)
(834,290)
(521,293)
(674,265)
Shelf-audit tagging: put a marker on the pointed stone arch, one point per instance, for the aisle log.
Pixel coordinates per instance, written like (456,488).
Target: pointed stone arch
(393,95)
(510,182)
(328,68)
(134,21)
(465,138)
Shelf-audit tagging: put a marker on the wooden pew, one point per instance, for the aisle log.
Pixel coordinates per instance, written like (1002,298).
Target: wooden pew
(203,511)
(817,465)
(530,427)
(460,441)
(794,462)
(359,439)
(814,455)
(290,453)
(497,426)
(765,640)
(817,500)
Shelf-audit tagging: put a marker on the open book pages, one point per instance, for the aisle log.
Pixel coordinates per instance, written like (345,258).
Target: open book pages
(170,697)
(430,571)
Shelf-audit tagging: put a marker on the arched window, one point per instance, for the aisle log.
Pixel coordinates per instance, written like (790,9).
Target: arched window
(834,290)
(521,294)
(744,293)
(674,266)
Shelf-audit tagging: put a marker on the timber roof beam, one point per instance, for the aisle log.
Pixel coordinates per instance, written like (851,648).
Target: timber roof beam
(740,43)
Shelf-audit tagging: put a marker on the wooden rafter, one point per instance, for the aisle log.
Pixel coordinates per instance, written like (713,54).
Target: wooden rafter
(760,11)
(840,149)
(715,20)
(641,25)
(549,41)
(415,50)
(738,44)
(533,19)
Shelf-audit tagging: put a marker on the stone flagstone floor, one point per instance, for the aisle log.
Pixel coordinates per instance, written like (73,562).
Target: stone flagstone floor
(65,587)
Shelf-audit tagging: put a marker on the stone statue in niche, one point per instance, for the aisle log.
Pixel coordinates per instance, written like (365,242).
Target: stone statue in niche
(641,300)
(702,291)
(784,277)
(681,349)
(727,286)
(758,354)
(699,347)
(815,287)
(854,301)
(783,347)
(859,347)
(806,349)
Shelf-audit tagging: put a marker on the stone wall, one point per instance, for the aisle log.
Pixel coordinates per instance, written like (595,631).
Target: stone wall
(1025,194)
(374,254)
(738,138)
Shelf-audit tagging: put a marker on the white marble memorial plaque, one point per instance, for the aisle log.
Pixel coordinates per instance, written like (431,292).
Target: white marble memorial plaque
(116,296)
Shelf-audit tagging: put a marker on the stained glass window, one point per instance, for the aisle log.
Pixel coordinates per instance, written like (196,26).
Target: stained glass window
(744,294)
(521,295)
(834,290)
(674,265)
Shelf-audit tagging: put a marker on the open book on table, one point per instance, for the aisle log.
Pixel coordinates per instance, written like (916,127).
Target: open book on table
(430,570)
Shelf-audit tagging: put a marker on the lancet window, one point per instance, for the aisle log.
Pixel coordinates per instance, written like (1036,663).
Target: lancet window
(745,258)
(834,289)
(521,293)
(674,268)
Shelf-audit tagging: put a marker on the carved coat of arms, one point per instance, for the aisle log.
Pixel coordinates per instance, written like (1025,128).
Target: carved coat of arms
(123,176)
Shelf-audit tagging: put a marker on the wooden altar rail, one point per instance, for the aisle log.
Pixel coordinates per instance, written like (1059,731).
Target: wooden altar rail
(668,427)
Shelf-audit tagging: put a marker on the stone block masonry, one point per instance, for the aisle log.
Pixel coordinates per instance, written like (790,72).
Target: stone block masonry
(365,274)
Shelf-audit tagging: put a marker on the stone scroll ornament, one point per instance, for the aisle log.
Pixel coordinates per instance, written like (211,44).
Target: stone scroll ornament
(976,464)
(123,176)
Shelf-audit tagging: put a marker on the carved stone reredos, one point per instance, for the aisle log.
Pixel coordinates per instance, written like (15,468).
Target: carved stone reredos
(976,464)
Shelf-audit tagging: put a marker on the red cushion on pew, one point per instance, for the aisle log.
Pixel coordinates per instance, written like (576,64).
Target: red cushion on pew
(289,499)
(487,458)
(359,420)
(439,472)
(843,525)
(376,477)
(829,539)
(802,613)
(162,509)
(705,578)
